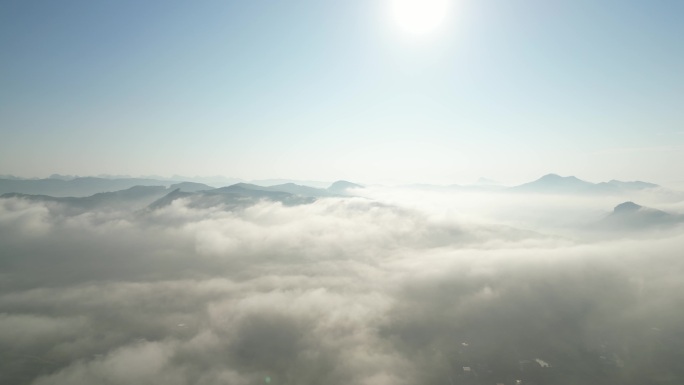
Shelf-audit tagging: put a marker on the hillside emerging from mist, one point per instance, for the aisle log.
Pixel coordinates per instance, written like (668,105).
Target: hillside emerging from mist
(150,195)
(631,216)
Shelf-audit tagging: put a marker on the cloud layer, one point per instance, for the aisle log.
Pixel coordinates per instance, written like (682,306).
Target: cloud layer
(341,291)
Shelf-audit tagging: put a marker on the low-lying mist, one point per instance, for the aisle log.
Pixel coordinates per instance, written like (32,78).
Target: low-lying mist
(396,287)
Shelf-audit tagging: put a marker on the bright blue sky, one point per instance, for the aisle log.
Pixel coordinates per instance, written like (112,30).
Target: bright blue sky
(326,90)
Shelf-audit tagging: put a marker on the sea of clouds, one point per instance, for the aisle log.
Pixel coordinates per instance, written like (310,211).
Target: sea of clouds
(384,289)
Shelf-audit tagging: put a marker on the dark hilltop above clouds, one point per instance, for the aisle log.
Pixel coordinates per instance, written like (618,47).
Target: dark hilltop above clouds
(631,216)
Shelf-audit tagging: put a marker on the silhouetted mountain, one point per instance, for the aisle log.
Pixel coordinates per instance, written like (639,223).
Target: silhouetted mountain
(271,193)
(79,187)
(214,181)
(553,183)
(631,216)
(190,187)
(556,184)
(274,182)
(635,185)
(627,207)
(342,186)
(130,199)
(235,196)
(250,190)
(169,198)
(306,191)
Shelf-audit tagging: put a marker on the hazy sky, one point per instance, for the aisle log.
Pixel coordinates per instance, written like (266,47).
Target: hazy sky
(508,90)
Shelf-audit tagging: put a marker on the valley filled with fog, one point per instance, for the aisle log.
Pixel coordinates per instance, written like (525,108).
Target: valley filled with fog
(558,281)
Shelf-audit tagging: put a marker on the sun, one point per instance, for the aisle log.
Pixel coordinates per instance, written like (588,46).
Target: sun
(419,17)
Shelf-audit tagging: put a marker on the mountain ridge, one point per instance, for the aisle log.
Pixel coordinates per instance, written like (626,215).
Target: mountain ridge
(554,183)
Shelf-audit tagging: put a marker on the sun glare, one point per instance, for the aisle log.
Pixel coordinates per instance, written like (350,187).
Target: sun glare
(419,17)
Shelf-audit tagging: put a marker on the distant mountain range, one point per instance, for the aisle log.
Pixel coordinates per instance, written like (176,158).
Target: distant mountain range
(626,216)
(130,199)
(548,184)
(154,197)
(190,187)
(62,186)
(556,184)
(68,186)
(79,187)
(244,194)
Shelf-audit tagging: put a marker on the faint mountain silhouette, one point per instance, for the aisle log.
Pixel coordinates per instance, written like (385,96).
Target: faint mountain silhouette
(190,187)
(556,184)
(276,182)
(342,187)
(306,191)
(78,187)
(631,216)
(240,195)
(130,199)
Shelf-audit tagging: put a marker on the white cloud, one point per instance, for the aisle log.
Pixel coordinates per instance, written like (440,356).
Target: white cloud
(340,291)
